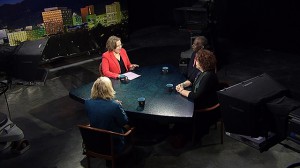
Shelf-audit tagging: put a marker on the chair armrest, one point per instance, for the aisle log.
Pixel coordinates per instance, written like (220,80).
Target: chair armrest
(106,131)
(207,109)
(129,131)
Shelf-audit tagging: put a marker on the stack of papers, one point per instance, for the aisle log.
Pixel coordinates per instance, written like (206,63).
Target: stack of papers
(131,75)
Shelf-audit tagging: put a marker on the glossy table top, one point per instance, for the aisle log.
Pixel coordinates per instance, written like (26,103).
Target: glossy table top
(152,86)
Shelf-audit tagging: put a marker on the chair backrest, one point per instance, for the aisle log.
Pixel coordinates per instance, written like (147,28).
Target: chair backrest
(97,140)
(100,69)
(100,142)
(221,85)
(208,108)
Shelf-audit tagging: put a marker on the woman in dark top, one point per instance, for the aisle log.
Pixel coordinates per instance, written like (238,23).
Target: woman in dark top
(204,89)
(206,82)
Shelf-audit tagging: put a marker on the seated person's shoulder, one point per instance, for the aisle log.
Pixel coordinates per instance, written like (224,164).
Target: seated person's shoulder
(105,54)
(210,76)
(123,50)
(114,103)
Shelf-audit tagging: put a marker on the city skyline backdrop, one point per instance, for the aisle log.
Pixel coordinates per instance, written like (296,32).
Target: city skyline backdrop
(24,13)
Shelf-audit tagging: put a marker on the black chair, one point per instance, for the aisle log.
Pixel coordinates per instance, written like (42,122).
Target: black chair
(99,143)
(213,109)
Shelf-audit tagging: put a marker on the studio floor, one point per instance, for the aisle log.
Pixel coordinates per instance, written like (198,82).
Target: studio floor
(49,117)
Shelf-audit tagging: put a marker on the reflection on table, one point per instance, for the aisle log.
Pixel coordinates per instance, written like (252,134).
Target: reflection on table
(152,86)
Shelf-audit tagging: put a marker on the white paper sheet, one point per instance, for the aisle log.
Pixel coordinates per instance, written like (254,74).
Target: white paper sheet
(131,75)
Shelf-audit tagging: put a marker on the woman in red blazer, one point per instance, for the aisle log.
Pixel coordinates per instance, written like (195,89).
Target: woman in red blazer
(115,60)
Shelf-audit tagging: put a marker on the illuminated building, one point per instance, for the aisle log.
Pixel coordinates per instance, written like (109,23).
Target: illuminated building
(113,13)
(91,20)
(36,33)
(101,19)
(77,20)
(28,28)
(16,38)
(56,19)
(88,10)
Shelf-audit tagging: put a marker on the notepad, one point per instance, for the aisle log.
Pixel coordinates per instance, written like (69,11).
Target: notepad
(131,75)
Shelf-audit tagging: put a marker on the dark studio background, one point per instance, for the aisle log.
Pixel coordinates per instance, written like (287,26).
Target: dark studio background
(270,24)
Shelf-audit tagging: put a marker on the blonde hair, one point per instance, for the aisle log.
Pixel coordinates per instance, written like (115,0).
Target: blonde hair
(111,43)
(102,88)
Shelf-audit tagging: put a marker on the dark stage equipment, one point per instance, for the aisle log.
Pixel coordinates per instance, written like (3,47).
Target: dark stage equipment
(294,126)
(196,18)
(69,45)
(6,56)
(244,108)
(27,58)
(282,108)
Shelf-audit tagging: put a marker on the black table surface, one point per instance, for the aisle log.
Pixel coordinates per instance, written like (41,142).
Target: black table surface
(151,85)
